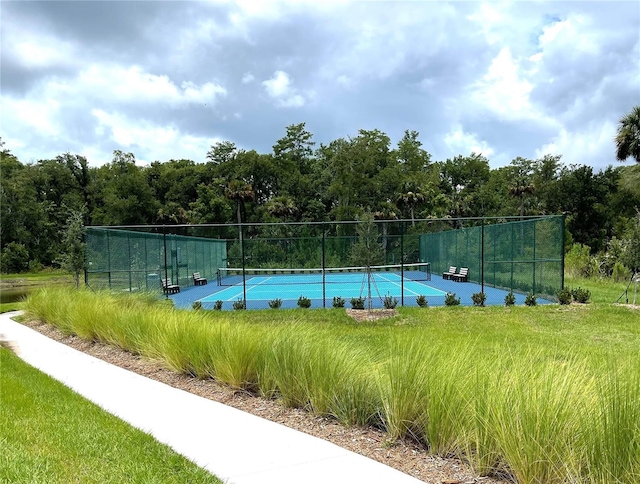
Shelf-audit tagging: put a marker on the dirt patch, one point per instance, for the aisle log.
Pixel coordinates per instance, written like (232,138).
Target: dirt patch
(371,314)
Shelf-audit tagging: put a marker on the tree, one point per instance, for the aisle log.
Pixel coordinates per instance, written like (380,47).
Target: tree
(628,136)
(73,245)
(461,180)
(410,199)
(282,207)
(121,193)
(631,253)
(366,251)
(240,192)
(294,165)
(521,185)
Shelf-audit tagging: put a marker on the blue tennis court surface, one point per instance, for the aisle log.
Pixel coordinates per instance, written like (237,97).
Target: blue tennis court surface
(261,288)
(347,286)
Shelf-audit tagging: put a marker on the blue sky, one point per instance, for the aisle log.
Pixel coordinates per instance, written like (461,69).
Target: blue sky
(168,79)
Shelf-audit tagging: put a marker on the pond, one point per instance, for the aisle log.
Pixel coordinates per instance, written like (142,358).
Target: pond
(13,294)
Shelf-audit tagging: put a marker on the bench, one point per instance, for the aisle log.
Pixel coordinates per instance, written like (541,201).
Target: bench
(451,272)
(461,276)
(169,287)
(199,281)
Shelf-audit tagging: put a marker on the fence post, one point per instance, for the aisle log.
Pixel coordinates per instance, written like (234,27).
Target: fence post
(166,275)
(482,256)
(562,227)
(402,228)
(244,277)
(533,288)
(109,258)
(324,287)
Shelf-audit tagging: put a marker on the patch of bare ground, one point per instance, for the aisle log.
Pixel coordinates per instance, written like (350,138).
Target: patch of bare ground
(360,315)
(629,306)
(403,454)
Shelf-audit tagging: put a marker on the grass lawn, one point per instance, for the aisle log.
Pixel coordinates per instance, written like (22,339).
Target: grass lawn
(51,276)
(544,394)
(50,434)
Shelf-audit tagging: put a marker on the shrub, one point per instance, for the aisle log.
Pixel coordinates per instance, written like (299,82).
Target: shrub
(357,302)
(581,295)
(451,299)
(304,302)
(389,302)
(197,305)
(620,273)
(217,305)
(479,298)
(15,258)
(239,305)
(579,263)
(338,302)
(565,296)
(531,300)
(275,303)
(422,301)
(510,299)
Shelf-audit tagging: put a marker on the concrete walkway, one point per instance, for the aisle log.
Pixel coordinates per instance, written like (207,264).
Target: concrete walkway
(238,447)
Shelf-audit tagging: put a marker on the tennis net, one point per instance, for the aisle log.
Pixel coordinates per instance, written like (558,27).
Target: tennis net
(228,276)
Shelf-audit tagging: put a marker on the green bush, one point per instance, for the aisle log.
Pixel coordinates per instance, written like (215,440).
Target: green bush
(451,300)
(579,263)
(338,302)
(581,295)
(217,305)
(479,298)
(565,296)
(275,303)
(197,305)
(422,301)
(239,305)
(304,302)
(510,299)
(14,259)
(390,302)
(531,300)
(620,273)
(357,302)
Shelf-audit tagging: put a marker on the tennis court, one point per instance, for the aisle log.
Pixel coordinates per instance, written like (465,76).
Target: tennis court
(263,285)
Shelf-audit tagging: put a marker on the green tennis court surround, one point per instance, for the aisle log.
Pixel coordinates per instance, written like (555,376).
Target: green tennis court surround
(521,255)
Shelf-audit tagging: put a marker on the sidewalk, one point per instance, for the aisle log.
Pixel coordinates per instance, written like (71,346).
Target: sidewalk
(238,447)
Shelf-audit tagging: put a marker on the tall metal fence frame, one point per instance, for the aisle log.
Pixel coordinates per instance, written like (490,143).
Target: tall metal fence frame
(536,246)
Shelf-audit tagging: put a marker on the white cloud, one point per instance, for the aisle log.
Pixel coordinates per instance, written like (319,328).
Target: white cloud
(35,50)
(248,78)
(591,146)
(41,115)
(134,85)
(503,90)
(573,34)
(279,88)
(458,141)
(149,141)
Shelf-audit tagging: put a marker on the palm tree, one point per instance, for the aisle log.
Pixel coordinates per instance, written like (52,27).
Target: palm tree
(410,199)
(628,136)
(282,207)
(240,192)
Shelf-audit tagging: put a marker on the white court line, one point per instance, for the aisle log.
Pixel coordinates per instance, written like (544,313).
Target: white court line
(399,284)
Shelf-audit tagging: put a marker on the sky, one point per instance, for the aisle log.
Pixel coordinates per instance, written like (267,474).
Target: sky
(168,79)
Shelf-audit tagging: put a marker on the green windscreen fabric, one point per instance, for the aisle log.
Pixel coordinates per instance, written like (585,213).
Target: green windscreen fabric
(524,256)
(521,256)
(135,261)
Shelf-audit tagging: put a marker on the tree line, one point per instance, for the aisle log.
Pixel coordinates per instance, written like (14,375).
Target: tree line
(299,181)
